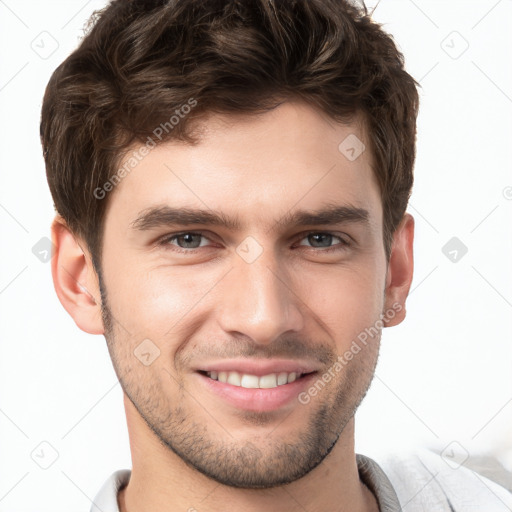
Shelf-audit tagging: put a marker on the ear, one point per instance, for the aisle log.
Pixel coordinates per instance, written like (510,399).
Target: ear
(400,271)
(75,279)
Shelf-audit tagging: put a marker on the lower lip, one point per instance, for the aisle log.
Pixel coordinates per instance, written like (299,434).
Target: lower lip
(257,399)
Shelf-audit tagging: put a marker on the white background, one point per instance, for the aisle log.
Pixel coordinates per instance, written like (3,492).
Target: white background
(444,374)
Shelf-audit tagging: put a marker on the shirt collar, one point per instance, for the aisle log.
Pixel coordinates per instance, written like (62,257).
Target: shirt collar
(370,473)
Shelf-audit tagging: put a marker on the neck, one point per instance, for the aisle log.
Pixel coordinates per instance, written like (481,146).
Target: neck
(161,482)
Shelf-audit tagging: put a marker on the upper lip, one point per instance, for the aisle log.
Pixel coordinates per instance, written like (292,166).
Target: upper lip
(260,367)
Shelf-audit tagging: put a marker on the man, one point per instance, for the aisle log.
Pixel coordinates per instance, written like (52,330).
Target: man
(231,181)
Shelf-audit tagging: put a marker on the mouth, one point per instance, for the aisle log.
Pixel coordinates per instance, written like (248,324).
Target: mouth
(255,385)
(249,381)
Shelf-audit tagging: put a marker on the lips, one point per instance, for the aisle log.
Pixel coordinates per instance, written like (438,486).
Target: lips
(257,385)
(259,367)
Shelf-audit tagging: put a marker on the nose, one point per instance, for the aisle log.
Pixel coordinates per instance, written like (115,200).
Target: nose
(258,301)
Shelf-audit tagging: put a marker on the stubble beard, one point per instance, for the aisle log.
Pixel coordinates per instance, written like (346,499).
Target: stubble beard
(205,445)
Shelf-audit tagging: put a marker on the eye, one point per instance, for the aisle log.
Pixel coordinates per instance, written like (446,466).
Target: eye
(186,241)
(325,240)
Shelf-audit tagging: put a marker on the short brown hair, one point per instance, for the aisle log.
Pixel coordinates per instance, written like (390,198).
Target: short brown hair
(142,59)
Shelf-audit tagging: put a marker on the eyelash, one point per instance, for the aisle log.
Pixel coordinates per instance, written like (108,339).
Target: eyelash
(166,241)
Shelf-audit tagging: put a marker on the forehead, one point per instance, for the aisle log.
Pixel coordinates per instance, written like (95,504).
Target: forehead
(255,167)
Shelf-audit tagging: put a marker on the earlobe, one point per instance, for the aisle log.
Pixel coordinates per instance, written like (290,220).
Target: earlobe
(75,279)
(400,272)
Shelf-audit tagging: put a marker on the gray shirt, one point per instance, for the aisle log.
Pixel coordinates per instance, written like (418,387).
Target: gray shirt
(418,482)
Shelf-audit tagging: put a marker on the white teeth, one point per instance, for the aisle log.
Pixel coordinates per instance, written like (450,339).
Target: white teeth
(250,381)
(233,378)
(282,378)
(246,380)
(268,381)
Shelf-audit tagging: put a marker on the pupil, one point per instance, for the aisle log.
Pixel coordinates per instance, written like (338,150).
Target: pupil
(322,235)
(188,237)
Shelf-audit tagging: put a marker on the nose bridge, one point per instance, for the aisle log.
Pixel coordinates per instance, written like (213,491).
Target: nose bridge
(257,299)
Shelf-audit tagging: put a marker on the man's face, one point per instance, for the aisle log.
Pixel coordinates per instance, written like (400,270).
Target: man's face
(259,304)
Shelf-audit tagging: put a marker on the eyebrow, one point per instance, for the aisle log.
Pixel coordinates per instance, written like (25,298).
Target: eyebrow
(159,216)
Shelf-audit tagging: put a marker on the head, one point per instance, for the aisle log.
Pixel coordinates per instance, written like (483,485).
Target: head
(291,126)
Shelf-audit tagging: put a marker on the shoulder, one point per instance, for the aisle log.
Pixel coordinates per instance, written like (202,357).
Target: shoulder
(424,480)
(106,499)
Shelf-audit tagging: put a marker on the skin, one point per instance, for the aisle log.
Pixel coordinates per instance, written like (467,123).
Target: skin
(191,449)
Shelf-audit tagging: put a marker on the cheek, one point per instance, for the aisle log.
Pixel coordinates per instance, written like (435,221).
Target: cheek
(348,301)
(152,302)
(158,301)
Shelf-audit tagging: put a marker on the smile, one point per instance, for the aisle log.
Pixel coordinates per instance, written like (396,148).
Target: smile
(246,380)
(257,385)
